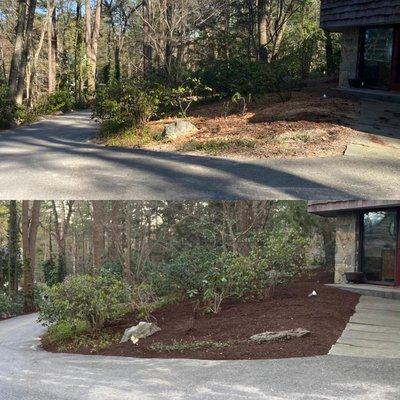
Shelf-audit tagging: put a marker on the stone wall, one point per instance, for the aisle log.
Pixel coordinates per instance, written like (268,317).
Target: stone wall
(348,65)
(346,257)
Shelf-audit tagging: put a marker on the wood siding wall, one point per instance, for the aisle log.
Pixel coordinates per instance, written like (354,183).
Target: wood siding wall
(337,15)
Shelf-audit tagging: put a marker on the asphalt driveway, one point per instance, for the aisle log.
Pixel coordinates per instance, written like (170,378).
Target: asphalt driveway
(29,373)
(54,159)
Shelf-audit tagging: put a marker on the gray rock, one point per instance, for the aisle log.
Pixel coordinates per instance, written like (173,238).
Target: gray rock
(140,331)
(279,335)
(178,129)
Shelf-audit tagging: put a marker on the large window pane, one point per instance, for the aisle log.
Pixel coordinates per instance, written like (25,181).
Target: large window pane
(378,53)
(380,240)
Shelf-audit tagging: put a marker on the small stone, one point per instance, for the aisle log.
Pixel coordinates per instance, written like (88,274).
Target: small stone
(313,294)
(178,129)
(140,331)
(279,335)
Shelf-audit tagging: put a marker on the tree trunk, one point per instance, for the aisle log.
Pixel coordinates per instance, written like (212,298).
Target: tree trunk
(147,48)
(98,234)
(52,50)
(13,249)
(262,30)
(30,225)
(91,38)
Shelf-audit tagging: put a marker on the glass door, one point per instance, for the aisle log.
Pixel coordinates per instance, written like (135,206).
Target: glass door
(379,246)
(376,57)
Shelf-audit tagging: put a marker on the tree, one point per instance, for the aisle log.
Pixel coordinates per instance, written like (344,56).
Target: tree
(62,218)
(98,234)
(30,225)
(22,47)
(14,261)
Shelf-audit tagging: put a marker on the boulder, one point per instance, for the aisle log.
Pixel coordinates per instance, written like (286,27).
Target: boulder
(178,129)
(279,335)
(140,331)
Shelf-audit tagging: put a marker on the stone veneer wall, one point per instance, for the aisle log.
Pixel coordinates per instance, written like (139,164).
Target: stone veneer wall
(346,256)
(348,65)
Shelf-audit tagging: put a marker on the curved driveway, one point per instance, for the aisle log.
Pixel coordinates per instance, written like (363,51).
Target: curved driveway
(53,159)
(29,373)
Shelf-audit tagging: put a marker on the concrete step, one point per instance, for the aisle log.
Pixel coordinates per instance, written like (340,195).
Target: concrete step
(353,351)
(376,319)
(359,336)
(386,292)
(371,328)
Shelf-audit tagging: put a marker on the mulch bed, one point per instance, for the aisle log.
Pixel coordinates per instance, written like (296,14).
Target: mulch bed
(325,316)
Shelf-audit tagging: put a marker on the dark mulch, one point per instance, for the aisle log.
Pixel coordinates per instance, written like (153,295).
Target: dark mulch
(325,315)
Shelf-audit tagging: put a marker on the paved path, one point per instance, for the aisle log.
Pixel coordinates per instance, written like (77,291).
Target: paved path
(373,330)
(27,373)
(54,159)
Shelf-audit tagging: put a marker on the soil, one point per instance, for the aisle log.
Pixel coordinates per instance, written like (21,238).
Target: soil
(308,124)
(288,307)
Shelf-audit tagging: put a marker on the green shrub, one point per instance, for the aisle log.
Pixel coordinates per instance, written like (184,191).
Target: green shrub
(91,299)
(227,77)
(61,100)
(184,273)
(49,269)
(127,104)
(11,306)
(7,108)
(5,305)
(65,330)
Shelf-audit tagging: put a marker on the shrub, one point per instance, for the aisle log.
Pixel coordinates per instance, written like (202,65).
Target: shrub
(126,104)
(49,269)
(11,306)
(61,100)
(91,299)
(184,273)
(7,108)
(65,330)
(5,305)
(227,77)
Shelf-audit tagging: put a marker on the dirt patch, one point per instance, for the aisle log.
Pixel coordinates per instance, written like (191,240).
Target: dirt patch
(325,315)
(309,124)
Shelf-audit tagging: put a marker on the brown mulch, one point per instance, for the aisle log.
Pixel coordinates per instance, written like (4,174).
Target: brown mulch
(289,307)
(277,127)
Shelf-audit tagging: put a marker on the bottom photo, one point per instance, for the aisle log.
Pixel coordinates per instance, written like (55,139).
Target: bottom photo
(199,299)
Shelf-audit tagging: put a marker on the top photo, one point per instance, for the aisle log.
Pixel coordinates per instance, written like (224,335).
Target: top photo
(199,99)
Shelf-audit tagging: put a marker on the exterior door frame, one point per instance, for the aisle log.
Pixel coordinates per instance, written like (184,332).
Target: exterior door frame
(361,245)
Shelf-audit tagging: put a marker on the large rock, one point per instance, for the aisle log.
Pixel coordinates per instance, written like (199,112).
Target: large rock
(279,335)
(140,331)
(178,129)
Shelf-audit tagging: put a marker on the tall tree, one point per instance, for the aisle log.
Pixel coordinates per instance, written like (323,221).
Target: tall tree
(30,225)
(26,16)
(14,264)
(98,234)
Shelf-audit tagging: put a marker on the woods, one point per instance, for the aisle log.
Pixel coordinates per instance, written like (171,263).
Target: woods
(167,245)
(55,54)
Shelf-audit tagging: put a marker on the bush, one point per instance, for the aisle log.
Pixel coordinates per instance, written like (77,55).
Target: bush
(7,108)
(126,104)
(184,273)
(61,100)
(227,77)
(91,299)
(5,305)
(65,330)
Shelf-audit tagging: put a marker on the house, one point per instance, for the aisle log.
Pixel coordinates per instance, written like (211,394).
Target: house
(370,41)
(367,239)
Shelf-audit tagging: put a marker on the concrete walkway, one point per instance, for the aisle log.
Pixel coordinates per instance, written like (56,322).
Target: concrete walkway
(54,159)
(373,331)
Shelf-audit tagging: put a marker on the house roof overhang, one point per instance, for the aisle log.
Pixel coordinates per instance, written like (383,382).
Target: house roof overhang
(333,208)
(338,15)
